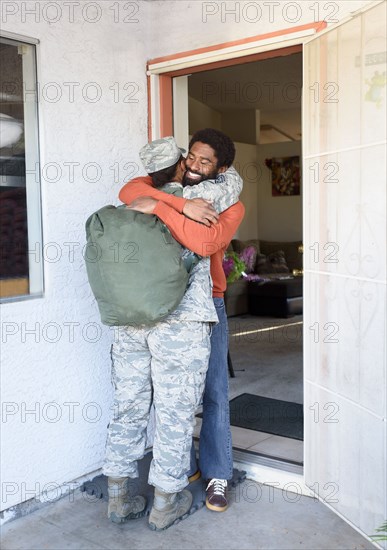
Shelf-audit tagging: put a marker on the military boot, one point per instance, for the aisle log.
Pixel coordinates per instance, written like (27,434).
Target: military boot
(121,505)
(169,508)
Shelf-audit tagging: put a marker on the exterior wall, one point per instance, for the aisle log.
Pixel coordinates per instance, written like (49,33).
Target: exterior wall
(66,360)
(214,22)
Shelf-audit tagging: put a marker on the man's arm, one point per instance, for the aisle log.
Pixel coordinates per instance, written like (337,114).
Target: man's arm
(203,240)
(196,209)
(140,187)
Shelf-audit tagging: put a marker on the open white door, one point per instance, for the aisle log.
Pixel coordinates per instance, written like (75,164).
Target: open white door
(344,137)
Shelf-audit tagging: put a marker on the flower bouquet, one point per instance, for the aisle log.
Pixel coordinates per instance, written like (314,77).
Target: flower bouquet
(248,257)
(234,268)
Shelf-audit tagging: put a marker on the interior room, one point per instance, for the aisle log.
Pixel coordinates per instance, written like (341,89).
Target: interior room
(258,105)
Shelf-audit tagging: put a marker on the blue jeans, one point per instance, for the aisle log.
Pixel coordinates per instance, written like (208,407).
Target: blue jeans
(215,446)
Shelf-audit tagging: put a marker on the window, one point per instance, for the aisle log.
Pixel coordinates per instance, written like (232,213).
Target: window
(20,218)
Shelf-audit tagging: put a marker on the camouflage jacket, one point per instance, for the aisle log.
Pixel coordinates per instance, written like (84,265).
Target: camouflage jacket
(197,303)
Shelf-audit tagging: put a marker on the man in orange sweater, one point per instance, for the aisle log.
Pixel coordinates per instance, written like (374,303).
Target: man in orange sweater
(210,153)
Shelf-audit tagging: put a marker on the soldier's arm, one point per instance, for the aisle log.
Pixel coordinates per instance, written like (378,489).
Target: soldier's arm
(203,240)
(223,192)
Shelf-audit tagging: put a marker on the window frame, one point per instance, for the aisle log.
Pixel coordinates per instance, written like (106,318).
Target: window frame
(35,280)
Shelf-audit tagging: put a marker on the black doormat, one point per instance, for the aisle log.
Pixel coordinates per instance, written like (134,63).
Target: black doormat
(264,414)
(97,487)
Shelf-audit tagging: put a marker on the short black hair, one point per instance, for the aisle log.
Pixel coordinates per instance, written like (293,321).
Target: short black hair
(161,177)
(222,145)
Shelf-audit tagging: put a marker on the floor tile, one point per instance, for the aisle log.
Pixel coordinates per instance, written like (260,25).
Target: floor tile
(281,447)
(243,438)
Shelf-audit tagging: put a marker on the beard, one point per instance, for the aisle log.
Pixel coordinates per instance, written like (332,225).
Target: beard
(187,181)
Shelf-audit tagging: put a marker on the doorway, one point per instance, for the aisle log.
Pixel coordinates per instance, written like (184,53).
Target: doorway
(258,104)
(344,209)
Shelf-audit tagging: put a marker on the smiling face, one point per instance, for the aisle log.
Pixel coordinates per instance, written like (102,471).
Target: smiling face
(201,164)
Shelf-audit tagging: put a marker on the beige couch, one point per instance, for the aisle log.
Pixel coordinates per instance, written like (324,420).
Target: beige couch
(270,262)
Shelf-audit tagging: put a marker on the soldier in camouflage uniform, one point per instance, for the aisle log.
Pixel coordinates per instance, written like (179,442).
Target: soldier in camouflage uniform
(165,363)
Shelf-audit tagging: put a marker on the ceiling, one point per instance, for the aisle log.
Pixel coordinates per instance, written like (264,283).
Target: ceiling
(273,86)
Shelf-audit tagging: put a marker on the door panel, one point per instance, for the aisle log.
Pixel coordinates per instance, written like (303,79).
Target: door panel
(344,132)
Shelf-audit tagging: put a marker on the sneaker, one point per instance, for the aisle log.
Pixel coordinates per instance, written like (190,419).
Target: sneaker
(194,476)
(216,495)
(169,508)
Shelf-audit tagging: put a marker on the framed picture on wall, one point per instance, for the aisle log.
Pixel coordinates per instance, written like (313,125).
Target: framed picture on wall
(285,176)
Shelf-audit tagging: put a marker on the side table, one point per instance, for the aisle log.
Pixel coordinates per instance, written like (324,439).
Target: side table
(276,297)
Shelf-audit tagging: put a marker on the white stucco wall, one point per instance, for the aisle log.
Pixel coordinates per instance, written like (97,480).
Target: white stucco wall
(60,363)
(192,24)
(66,360)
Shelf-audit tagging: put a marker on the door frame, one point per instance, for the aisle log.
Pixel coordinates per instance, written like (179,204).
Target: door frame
(161,70)
(160,74)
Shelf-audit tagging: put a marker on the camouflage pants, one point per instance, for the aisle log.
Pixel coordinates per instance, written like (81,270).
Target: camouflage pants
(166,364)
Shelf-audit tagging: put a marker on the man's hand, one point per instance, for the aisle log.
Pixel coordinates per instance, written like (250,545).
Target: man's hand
(200,210)
(146,205)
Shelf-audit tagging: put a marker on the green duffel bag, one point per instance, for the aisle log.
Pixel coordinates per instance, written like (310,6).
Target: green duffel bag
(134,265)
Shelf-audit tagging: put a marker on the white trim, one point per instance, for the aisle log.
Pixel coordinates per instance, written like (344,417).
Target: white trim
(155,106)
(34,214)
(232,52)
(249,48)
(180,111)
(18,37)
(273,477)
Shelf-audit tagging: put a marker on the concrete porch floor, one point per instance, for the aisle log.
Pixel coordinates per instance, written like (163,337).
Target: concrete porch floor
(258,518)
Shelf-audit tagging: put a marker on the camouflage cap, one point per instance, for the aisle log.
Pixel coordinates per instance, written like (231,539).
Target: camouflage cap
(160,153)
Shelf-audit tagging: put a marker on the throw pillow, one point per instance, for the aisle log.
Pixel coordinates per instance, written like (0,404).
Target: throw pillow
(262,265)
(272,263)
(238,246)
(292,255)
(278,262)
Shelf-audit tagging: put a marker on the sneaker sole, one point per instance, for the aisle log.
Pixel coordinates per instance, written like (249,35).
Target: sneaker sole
(191,511)
(216,508)
(195,476)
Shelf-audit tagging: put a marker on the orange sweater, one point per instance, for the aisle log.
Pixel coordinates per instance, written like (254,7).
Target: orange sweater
(206,241)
